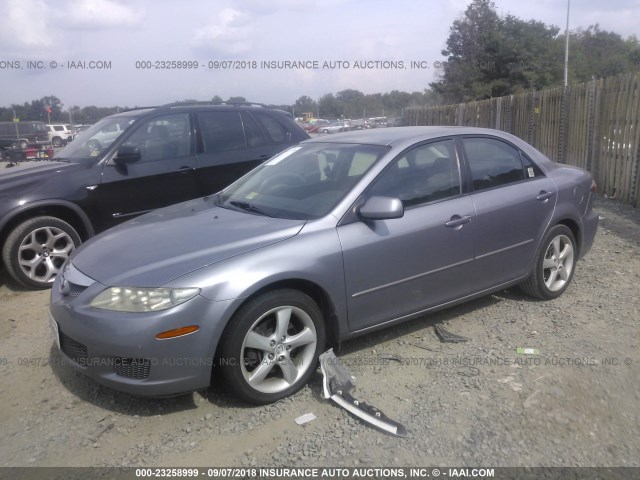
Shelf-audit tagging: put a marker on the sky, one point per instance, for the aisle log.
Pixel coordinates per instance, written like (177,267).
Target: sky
(119,53)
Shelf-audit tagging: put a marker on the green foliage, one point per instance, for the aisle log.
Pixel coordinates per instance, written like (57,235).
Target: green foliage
(355,104)
(595,53)
(489,56)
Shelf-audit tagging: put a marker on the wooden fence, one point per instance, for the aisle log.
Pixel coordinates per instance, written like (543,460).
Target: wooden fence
(593,125)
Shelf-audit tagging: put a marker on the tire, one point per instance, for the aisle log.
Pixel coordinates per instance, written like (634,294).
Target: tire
(36,249)
(555,264)
(271,346)
(325,131)
(57,142)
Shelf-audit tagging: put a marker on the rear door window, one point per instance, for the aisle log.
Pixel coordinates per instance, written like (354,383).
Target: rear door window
(493,163)
(221,131)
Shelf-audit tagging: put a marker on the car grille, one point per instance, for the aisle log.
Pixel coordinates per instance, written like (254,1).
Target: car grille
(76,351)
(136,368)
(75,289)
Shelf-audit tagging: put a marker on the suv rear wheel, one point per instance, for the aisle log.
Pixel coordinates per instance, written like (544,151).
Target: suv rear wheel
(36,249)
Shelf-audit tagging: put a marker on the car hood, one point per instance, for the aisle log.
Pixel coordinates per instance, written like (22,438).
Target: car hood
(163,245)
(28,172)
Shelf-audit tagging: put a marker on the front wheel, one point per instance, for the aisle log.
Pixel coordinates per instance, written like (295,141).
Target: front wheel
(36,249)
(271,346)
(554,265)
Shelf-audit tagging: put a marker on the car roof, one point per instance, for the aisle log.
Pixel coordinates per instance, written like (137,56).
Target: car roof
(390,136)
(189,107)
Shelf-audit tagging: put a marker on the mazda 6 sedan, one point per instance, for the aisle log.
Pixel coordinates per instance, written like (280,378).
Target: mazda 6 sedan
(331,239)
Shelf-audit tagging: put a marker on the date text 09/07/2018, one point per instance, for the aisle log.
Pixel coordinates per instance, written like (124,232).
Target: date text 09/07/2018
(285,65)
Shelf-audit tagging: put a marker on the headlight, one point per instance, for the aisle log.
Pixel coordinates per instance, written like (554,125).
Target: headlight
(131,299)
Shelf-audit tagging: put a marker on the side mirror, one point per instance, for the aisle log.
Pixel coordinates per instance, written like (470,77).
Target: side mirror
(381,208)
(127,154)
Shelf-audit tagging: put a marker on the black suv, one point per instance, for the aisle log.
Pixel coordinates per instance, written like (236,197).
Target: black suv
(125,165)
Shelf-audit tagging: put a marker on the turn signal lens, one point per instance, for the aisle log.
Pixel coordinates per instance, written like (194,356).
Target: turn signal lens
(177,332)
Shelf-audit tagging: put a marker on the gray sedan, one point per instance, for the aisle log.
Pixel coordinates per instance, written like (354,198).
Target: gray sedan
(328,240)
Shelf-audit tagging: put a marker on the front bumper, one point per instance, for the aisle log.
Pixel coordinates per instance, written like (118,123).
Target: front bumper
(120,350)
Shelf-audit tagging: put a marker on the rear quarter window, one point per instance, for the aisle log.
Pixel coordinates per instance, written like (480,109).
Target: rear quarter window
(276,132)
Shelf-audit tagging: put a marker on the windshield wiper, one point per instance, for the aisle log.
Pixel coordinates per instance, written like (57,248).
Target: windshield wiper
(248,207)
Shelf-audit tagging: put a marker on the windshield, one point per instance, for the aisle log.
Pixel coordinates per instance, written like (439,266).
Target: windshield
(94,141)
(303,182)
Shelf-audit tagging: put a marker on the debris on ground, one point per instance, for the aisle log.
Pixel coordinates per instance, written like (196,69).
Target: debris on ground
(306,418)
(447,337)
(336,385)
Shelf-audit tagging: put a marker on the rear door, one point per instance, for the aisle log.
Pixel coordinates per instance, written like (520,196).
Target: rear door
(230,144)
(514,203)
(402,266)
(163,176)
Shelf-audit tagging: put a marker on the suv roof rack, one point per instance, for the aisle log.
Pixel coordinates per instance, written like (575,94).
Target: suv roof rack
(168,106)
(208,103)
(132,109)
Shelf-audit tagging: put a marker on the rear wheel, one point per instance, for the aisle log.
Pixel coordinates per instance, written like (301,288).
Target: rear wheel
(554,265)
(57,142)
(271,346)
(36,249)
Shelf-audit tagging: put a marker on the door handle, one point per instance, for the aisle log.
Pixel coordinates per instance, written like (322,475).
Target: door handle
(544,196)
(184,169)
(457,221)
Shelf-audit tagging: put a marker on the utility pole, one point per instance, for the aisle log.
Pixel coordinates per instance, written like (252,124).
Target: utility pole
(566,49)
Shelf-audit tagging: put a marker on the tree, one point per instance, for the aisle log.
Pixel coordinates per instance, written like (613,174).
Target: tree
(598,53)
(489,56)
(328,106)
(304,104)
(472,44)
(350,103)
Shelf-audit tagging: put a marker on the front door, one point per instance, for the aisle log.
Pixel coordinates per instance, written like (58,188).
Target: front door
(164,175)
(398,267)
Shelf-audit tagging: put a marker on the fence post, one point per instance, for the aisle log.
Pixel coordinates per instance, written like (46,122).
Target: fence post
(564,113)
(591,122)
(532,117)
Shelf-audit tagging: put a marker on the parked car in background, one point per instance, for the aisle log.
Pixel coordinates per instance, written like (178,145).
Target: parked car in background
(359,124)
(315,126)
(60,134)
(23,134)
(334,127)
(378,122)
(125,165)
(332,238)
(397,122)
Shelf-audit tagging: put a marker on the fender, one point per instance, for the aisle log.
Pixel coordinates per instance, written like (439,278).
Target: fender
(11,214)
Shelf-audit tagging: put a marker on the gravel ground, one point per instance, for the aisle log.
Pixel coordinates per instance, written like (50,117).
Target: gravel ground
(477,403)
